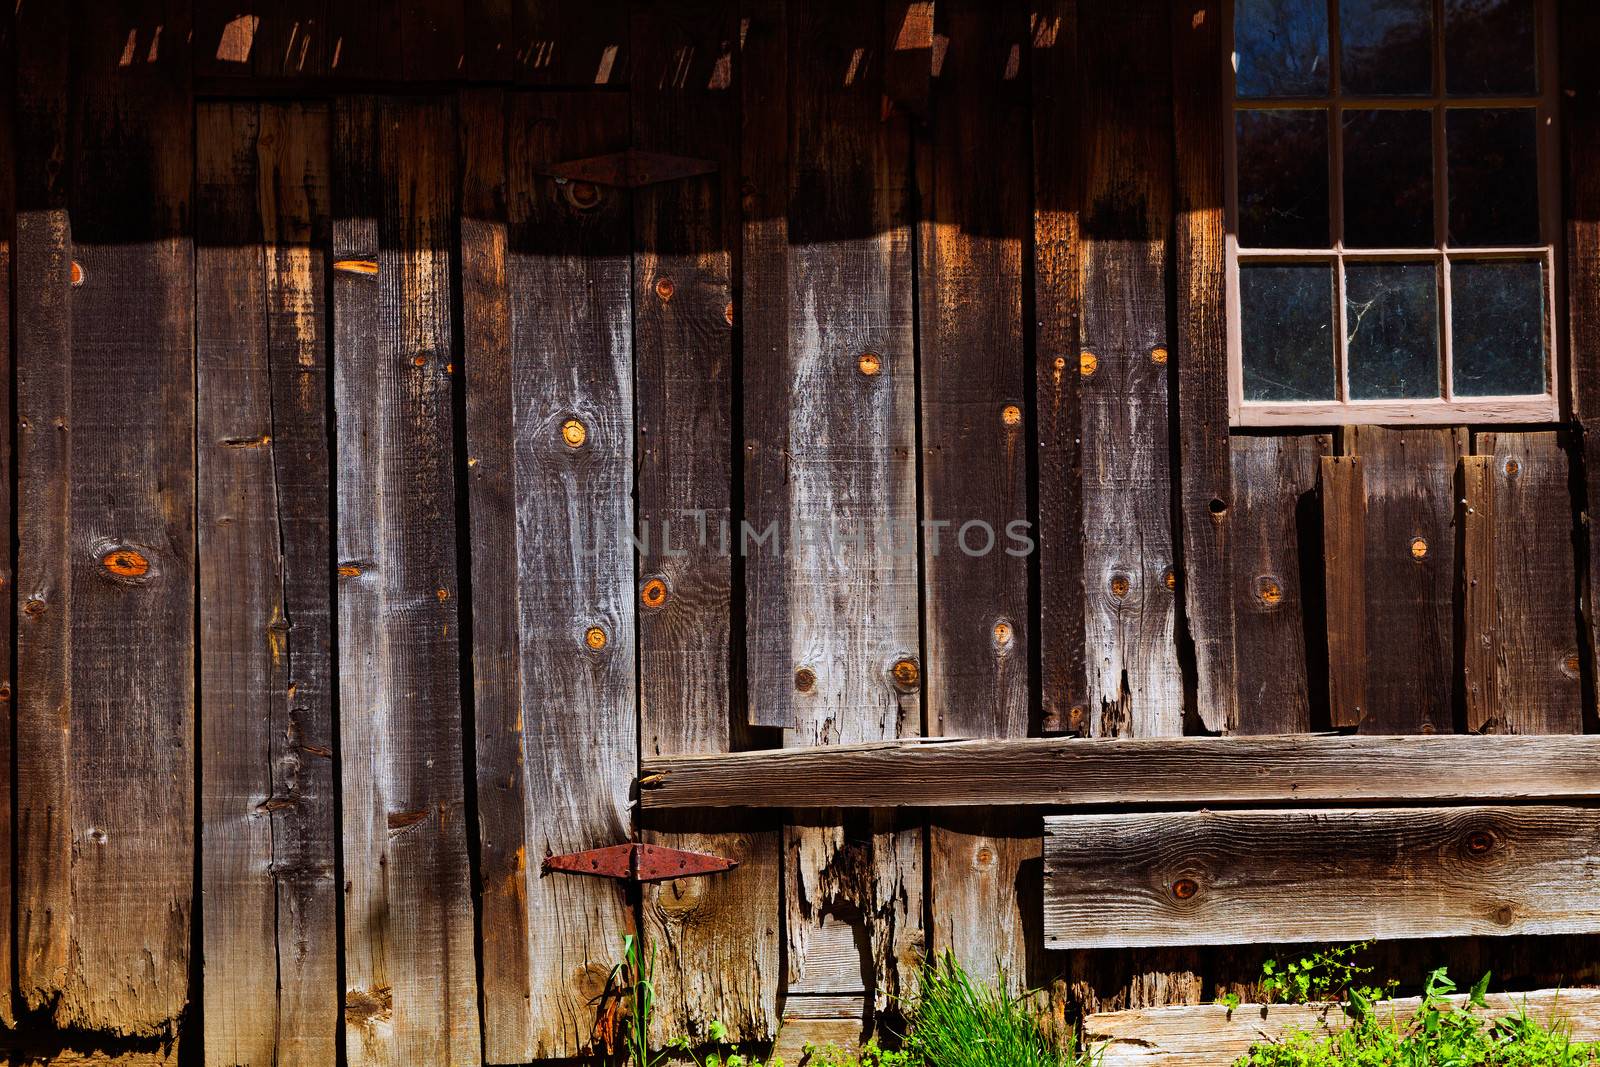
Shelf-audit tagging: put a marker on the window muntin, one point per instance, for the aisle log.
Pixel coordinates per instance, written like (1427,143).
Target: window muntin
(1392,212)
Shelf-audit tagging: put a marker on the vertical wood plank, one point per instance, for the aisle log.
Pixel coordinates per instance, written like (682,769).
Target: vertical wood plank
(489,45)
(974,435)
(43,257)
(365,39)
(1519,571)
(8,231)
(1057,285)
(1205,486)
(411,990)
(1411,568)
(496,655)
(1135,685)
(1274,593)
(432,37)
(715,941)
(571,404)
(109,947)
(565,45)
(1344,546)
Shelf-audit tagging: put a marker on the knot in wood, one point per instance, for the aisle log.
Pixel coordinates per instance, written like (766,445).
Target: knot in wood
(1158,356)
(727,313)
(1075,717)
(1169,578)
(574,433)
(906,674)
(869,363)
(125,564)
(654,593)
(1185,888)
(984,857)
(1088,364)
(805,680)
(665,287)
(595,638)
(1480,842)
(77,274)
(1059,363)
(1570,664)
(1270,592)
(1512,467)
(1002,634)
(1120,586)
(1011,414)
(1419,548)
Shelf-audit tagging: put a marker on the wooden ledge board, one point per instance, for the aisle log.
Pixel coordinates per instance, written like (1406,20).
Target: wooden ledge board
(1300,769)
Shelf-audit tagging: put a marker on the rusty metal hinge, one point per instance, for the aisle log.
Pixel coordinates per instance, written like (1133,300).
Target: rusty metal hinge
(638,863)
(630,169)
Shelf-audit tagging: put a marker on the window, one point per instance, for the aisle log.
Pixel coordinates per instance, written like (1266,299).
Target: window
(1392,213)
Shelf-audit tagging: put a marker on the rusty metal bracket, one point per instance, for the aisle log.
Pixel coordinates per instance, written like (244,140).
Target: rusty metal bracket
(630,169)
(638,863)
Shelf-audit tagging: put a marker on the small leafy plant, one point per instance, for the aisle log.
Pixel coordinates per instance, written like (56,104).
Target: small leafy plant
(956,1022)
(1322,976)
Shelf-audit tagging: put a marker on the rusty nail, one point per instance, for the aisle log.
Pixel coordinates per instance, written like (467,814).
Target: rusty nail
(574,433)
(1184,888)
(1158,356)
(869,363)
(907,675)
(805,680)
(1419,548)
(77,274)
(1119,586)
(1087,364)
(595,638)
(125,563)
(654,593)
(1011,414)
(1269,591)
(665,287)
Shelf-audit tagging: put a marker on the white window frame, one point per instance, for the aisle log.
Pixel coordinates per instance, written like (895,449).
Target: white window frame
(1446,409)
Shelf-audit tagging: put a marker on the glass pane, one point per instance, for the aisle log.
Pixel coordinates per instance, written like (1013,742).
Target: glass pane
(1286,323)
(1386,47)
(1498,340)
(1391,324)
(1494,176)
(1489,47)
(1388,179)
(1283,179)
(1281,47)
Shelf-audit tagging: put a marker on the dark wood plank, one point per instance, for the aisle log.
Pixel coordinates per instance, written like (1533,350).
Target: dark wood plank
(365,39)
(8,231)
(1253,877)
(237,40)
(432,40)
(411,989)
(113,952)
(1344,546)
(1580,128)
(1057,286)
(1521,628)
(571,414)
(567,45)
(496,650)
(43,257)
(1198,770)
(1204,1034)
(1276,531)
(715,942)
(1206,489)
(974,438)
(1411,567)
(489,43)
(1135,684)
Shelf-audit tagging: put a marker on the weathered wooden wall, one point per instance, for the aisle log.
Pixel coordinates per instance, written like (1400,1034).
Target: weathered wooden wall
(340,374)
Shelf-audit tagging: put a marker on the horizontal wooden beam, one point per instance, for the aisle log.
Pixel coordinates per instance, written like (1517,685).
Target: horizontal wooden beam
(1203,1035)
(1331,874)
(1171,771)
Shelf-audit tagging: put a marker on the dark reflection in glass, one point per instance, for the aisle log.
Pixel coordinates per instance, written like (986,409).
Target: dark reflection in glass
(1286,325)
(1489,47)
(1498,344)
(1281,47)
(1386,47)
(1388,179)
(1391,325)
(1283,179)
(1494,176)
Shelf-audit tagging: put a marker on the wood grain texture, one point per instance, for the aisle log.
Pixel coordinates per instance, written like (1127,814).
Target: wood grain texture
(1344,546)
(1057,287)
(1135,684)
(265,40)
(1070,771)
(1412,561)
(8,231)
(975,426)
(1277,594)
(553,420)
(1521,641)
(266,755)
(715,940)
(1205,1034)
(106,727)
(1206,489)
(1253,877)
(496,643)
(411,989)
(574,46)
(1580,129)
(43,367)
